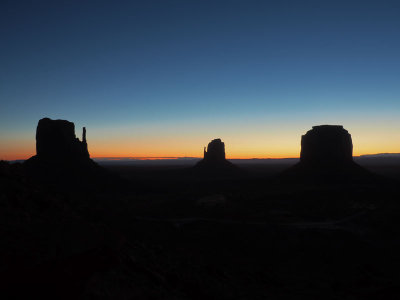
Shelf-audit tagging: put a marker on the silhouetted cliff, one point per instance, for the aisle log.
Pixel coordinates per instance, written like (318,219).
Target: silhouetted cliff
(215,151)
(55,139)
(214,161)
(61,158)
(327,156)
(326,145)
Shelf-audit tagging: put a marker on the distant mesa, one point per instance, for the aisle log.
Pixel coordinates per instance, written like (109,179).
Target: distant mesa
(327,156)
(215,152)
(214,161)
(326,145)
(61,158)
(55,139)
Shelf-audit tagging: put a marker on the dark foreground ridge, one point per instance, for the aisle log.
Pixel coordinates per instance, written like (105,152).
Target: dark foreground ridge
(214,161)
(327,156)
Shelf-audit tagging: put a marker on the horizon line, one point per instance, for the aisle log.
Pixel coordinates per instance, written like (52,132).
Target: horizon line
(198,157)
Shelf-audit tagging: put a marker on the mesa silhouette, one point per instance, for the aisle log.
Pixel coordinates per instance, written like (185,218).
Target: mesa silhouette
(214,162)
(327,156)
(61,157)
(55,139)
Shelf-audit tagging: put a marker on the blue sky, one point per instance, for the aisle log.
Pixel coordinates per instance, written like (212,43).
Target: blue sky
(188,71)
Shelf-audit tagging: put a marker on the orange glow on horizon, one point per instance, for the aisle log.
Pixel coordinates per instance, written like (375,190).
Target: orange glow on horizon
(178,157)
(242,147)
(24,156)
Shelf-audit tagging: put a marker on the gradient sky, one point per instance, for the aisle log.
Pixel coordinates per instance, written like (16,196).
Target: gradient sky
(163,78)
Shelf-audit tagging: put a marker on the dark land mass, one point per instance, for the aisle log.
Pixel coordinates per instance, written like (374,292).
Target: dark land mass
(166,232)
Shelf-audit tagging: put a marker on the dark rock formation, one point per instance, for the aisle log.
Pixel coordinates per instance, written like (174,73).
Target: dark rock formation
(326,145)
(55,139)
(62,159)
(327,157)
(215,151)
(214,161)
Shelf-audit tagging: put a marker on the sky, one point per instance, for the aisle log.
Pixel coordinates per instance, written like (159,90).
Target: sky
(163,78)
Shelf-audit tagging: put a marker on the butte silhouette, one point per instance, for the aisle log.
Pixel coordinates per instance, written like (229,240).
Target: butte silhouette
(56,140)
(60,156)
(327,155)
(326,145)
(214,161)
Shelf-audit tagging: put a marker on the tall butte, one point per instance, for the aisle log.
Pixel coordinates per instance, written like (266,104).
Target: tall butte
(327,156)
(62,159)
(59,153)
(215,152)
(214,161)
(56,140)
(326,145)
